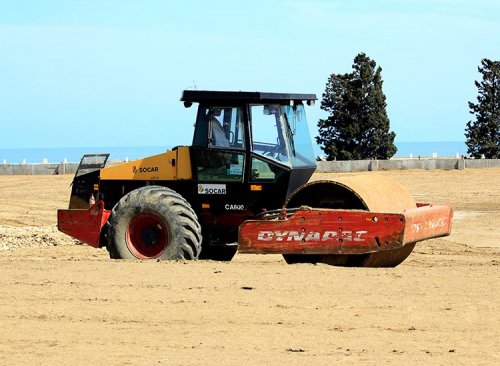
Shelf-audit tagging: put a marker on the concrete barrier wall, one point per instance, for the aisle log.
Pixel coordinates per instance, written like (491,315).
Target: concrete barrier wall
(482,163)
(38,169)
(403,164)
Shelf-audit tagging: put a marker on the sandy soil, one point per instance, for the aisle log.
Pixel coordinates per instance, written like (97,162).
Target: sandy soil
(64,303)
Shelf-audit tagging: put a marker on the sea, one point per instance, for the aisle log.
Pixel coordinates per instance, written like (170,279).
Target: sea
(127,153)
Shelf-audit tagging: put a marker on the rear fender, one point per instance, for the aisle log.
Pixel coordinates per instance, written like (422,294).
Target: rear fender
(86,225)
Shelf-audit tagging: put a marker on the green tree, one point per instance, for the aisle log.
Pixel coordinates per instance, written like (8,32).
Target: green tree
(358,126)
(483,133)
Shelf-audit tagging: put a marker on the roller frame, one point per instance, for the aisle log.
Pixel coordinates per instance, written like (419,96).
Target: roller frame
(329,231)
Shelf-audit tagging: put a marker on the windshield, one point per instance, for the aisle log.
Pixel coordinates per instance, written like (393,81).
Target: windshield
(280,132)
(302,154)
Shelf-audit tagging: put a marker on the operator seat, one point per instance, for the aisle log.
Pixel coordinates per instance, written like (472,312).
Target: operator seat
(218,137)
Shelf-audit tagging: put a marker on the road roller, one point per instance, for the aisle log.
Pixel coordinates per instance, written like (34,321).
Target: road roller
(244,186)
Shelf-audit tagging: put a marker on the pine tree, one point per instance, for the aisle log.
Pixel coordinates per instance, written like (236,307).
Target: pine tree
(483,133)
(358,126)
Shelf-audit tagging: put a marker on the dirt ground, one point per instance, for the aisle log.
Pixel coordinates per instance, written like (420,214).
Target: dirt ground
(63,303)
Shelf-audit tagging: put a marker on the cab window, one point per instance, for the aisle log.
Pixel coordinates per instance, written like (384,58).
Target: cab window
(265,171)
(220,127)
(219,166)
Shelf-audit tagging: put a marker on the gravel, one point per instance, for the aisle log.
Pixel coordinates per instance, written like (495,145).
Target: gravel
(32,236)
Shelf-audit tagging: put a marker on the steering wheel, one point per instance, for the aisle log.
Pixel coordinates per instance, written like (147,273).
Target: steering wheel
(273,152)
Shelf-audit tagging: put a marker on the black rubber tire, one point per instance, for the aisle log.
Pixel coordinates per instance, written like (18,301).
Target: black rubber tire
(173,214)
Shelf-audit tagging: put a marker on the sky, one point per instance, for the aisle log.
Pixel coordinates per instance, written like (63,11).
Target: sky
(111,72)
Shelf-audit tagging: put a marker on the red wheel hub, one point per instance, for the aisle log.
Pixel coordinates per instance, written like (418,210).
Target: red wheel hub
(147,236)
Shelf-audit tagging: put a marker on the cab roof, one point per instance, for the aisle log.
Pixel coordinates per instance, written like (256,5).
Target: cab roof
(207,96)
